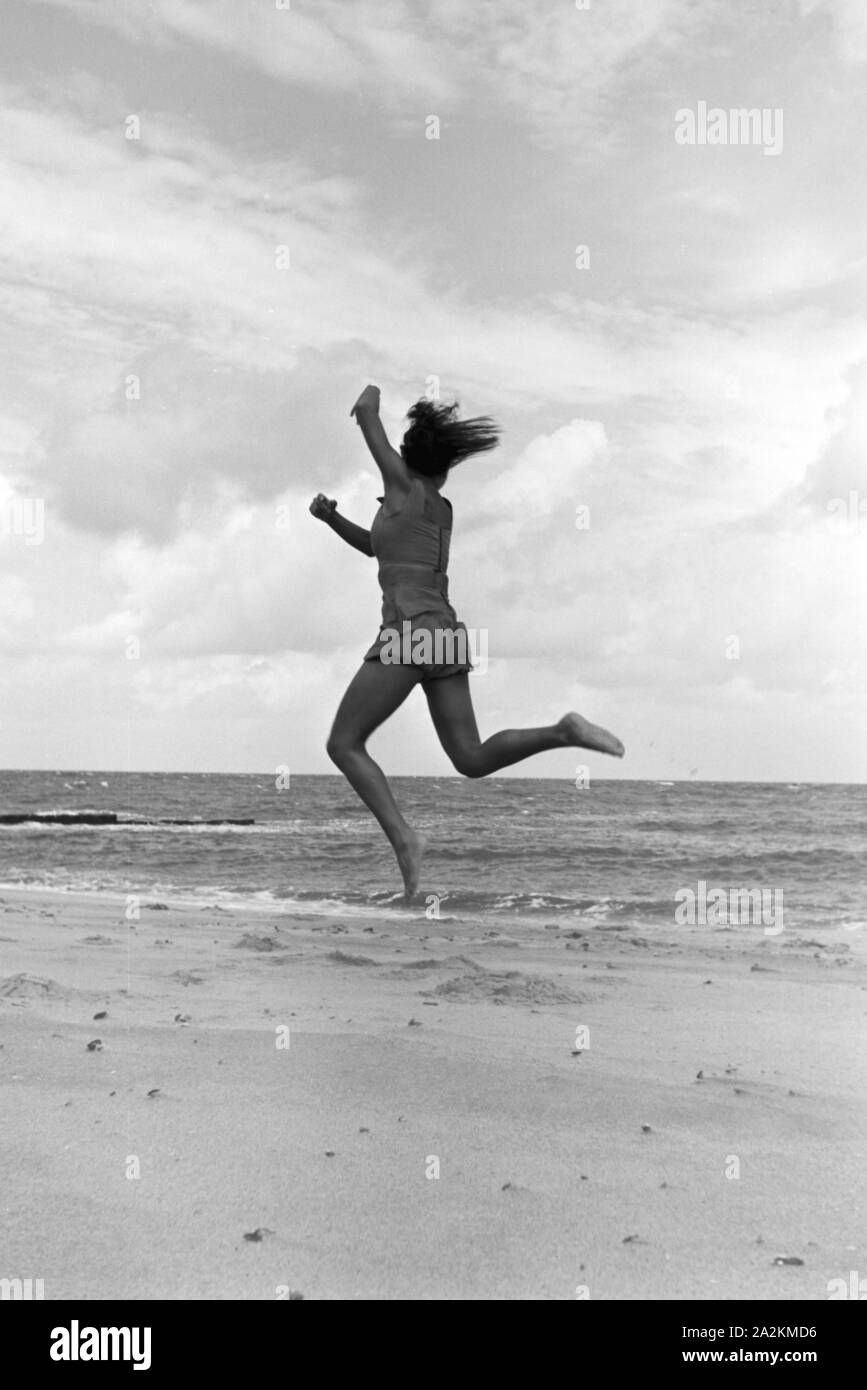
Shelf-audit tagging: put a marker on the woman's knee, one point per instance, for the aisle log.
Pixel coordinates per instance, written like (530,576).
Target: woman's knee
(339,748)
(468,762)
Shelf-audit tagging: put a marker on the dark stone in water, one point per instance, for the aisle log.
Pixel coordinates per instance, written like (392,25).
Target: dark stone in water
(100,818)
(61,818)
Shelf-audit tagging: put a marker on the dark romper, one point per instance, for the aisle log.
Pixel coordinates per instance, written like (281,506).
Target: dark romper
(412,547)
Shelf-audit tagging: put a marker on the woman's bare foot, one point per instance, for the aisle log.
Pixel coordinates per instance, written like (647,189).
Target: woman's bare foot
(409,856)
(580,733)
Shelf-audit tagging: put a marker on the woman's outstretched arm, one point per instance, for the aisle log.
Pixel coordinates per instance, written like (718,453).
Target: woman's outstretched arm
(389,461)
(352,534)
(325,509)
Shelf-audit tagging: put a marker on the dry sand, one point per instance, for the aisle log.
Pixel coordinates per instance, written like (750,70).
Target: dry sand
(412,1041)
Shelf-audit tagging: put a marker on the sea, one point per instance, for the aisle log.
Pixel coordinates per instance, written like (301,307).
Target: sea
(609,854)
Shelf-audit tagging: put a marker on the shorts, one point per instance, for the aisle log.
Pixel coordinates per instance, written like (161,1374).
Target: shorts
(434,643)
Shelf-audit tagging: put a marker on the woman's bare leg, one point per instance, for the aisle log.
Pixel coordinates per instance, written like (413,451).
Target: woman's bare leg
(374,693)
(451,708)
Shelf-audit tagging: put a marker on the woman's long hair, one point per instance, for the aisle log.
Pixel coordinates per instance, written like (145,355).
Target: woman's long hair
(436,439)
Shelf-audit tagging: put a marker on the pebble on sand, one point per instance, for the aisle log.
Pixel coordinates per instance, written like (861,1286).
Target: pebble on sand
(95,1045)
(258,1235)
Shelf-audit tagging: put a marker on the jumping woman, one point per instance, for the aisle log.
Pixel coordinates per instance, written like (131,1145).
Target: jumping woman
(410,539)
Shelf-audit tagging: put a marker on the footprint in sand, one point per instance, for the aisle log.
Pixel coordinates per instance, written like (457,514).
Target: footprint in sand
(506,987)
(19,988)
(251,942)
(344,958)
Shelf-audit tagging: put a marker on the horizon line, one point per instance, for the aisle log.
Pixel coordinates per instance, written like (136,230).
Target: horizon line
(429,776)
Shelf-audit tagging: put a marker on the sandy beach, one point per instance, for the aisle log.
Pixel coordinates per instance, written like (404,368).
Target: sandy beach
(710,1123)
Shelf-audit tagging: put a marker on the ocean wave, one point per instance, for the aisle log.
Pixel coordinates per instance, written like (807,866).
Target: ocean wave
(323,904)
(601,912)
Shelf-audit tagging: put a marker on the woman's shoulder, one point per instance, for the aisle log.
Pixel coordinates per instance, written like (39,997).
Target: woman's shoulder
(401,496)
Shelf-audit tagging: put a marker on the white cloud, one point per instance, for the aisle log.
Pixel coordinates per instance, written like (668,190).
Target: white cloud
(849,20)
(372,46)
(700,388)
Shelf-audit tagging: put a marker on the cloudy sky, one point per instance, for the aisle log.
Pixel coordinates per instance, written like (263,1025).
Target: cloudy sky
(220,218)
